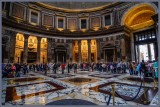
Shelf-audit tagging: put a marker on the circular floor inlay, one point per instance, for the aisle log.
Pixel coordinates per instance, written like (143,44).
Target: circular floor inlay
(71,102)
(80,80)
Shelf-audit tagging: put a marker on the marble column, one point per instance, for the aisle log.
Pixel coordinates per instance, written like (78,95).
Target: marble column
(123,47)
(25,53)
(149,52)
(79,51)
(104,56)
(89,51)
(57,57)
(98,49)
(70,53)
(114,55)
(12,46)
(133,49)
(49,53)
(39,49)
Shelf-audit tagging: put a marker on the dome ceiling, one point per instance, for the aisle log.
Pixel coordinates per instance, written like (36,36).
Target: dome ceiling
(76,6)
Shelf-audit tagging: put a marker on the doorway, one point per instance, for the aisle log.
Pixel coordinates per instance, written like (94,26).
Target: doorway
(109,54)
(145,52)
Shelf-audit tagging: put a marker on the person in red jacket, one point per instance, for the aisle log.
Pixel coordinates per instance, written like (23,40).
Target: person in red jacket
(63,67)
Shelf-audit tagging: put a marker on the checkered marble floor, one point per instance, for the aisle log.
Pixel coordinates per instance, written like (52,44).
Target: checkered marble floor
(49,89)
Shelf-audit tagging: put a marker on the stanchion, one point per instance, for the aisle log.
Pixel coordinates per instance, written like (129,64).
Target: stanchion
(113,93)
(145,100)
(154,84)
(154,81)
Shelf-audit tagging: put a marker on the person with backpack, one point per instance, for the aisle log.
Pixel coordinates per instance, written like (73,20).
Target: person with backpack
(13,70)
(143,68)
(155,66)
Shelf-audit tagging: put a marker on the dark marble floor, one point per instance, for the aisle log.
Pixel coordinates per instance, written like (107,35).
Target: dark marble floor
(84,88)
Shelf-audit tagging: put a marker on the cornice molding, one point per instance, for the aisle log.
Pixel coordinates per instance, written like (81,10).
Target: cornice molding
(65,33)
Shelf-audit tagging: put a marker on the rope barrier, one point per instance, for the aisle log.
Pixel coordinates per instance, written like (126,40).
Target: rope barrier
(109,99)
(142,79)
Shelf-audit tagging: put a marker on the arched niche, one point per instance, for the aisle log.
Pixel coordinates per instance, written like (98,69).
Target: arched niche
(139,16)
(43,53)
(19,48)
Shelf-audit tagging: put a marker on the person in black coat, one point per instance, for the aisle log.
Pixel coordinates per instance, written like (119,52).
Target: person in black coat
(69,68)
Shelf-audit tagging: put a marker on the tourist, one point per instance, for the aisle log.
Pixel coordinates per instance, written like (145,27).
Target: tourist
(18,69)
(119,67)
(123,67)
(103,67)
(92,66)
(75,68)
(112,68)
(155,66)
(134,68)
(54,68)
(69,66)
(13,69)
(143,68)
(63,68)
(4,72)
(24,69)
(45,69)
(138,69)
(84,66)
(130,68)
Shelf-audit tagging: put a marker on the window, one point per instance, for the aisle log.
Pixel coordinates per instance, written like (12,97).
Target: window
(34,17)
(149,35)
(60,23)
(83,24)
(153,34)
(107,19)
(145,35)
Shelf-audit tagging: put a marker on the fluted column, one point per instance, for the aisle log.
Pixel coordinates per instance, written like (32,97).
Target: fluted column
(98,49)
(79,50)
(38,49)
(89,51)
(123,47)
(25,53)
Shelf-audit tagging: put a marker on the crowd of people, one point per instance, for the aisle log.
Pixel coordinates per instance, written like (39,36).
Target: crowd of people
(149,68)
